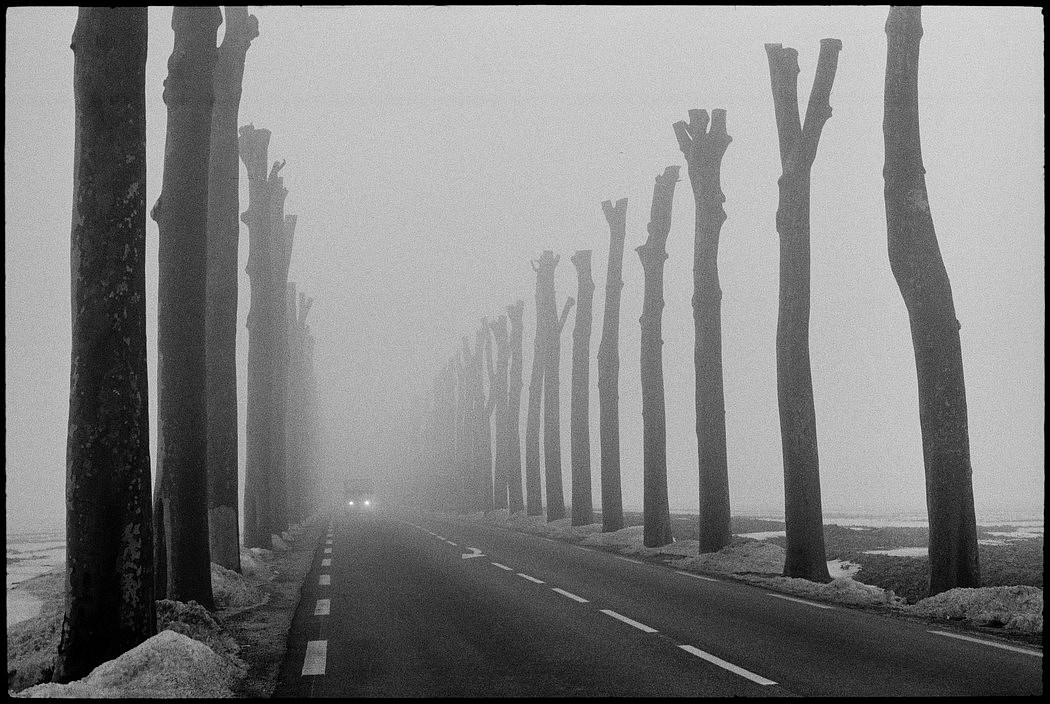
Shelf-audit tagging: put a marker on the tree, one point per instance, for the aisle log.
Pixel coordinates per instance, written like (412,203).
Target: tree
(609,370)
(498,399)
(533,496)
(109,590)
(703,152)
(221,320)
(294,431)
(798,425)
(482,418)
(915,259)
(181,212)
(656,511)
(579,425)
(283,235)
(515,501)
(253,144)
(551,387)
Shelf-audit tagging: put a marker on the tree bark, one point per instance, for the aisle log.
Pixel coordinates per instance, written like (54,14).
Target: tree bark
(109,589)
(798,425)
(656,511)
(533,495)
(221,321)
(283,233)
(498,392)
(552,393)
(703,150)
(257,517)
(919,270)
(515,502)
(181,503)
(580,433)
(609,370)
(482,418)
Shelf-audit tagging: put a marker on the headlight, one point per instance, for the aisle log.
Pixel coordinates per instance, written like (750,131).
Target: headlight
(367,502)
(351,503)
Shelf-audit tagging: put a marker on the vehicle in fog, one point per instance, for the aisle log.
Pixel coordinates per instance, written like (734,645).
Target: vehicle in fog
(359,496)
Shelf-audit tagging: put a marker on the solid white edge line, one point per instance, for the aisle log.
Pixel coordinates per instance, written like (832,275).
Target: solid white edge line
(323,607)
(988,642)
(627,559)
(698,576)
(324,580)
(629,621)
(570,595)
(316,657)
(801,601)
(757,679)
(440,537)
(531,579)
(451,543)
(503,567)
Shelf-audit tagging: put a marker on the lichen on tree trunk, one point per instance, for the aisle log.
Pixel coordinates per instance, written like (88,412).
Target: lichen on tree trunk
(579,427)
(919,270)
(609,370)
(109,590)
(656,511)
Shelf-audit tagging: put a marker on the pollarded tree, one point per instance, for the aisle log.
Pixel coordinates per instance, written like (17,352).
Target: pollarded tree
(221,322)
(257,518)
(798,424)
(498,399)
(656,511)
(579,425)
(553,325)
(703,150)
(181,499)
(915,259)
(484,405)
(533,495)
(609,370)
(109,594)
(515,501)
(283,234)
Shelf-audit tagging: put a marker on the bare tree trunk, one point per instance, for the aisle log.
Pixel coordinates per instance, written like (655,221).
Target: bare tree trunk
(533,491)
(580,432)
(609,370)
(915,259)
(181,501)
(465,454)
(109,589)
(482,419)
(283,234)
(703,151)
(656,511)
(221,322)
(498,392)
(798,424)
(515,501)
(552,388)
(257,517)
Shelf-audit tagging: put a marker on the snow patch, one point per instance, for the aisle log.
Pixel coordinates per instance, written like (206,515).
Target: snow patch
(841,590)
(1018,608)
(232,590)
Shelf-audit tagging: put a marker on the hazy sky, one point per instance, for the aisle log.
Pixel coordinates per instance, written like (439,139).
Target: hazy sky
(432,152)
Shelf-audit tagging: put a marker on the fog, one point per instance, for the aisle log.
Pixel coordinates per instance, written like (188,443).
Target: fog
(433,152)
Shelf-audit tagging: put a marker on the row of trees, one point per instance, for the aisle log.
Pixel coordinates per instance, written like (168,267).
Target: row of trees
(458,467)
(122,553)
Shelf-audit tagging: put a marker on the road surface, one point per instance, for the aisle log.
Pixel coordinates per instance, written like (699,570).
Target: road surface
(404,606)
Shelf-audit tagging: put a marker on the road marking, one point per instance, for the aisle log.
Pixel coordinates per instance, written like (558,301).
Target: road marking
(698,576)
(475,553)
(316,657)
(328,542)
(325,580)
(323,607)
(451,543)
(988,642)
(630,621)
(439,537)
(503,567)
(327,562)
(328,551)
(531,579)
(757,679)
(570,595)
(627,559)
(802,601)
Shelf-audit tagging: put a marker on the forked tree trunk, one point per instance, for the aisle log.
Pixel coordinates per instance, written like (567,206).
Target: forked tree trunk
(109,589)
(221,323)
(609,370)
(798,424)
(515,501)
(181,501)
(257,516)
(915,259)
(533,491)
(656,511)
(579,425)
(553,325)
(498,398)
(703,150)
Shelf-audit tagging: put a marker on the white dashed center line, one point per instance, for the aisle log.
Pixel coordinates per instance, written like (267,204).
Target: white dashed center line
(747,674)
(988,642)
(451,543)
(316,657)
(570,595)
(323,607)
(327,562)
(531,579)
(697,576)
(325,580)
(629,621)
(328,551)
(802,601)
(503,567)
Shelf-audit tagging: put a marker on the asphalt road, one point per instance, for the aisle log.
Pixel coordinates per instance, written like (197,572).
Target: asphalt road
(411,612)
